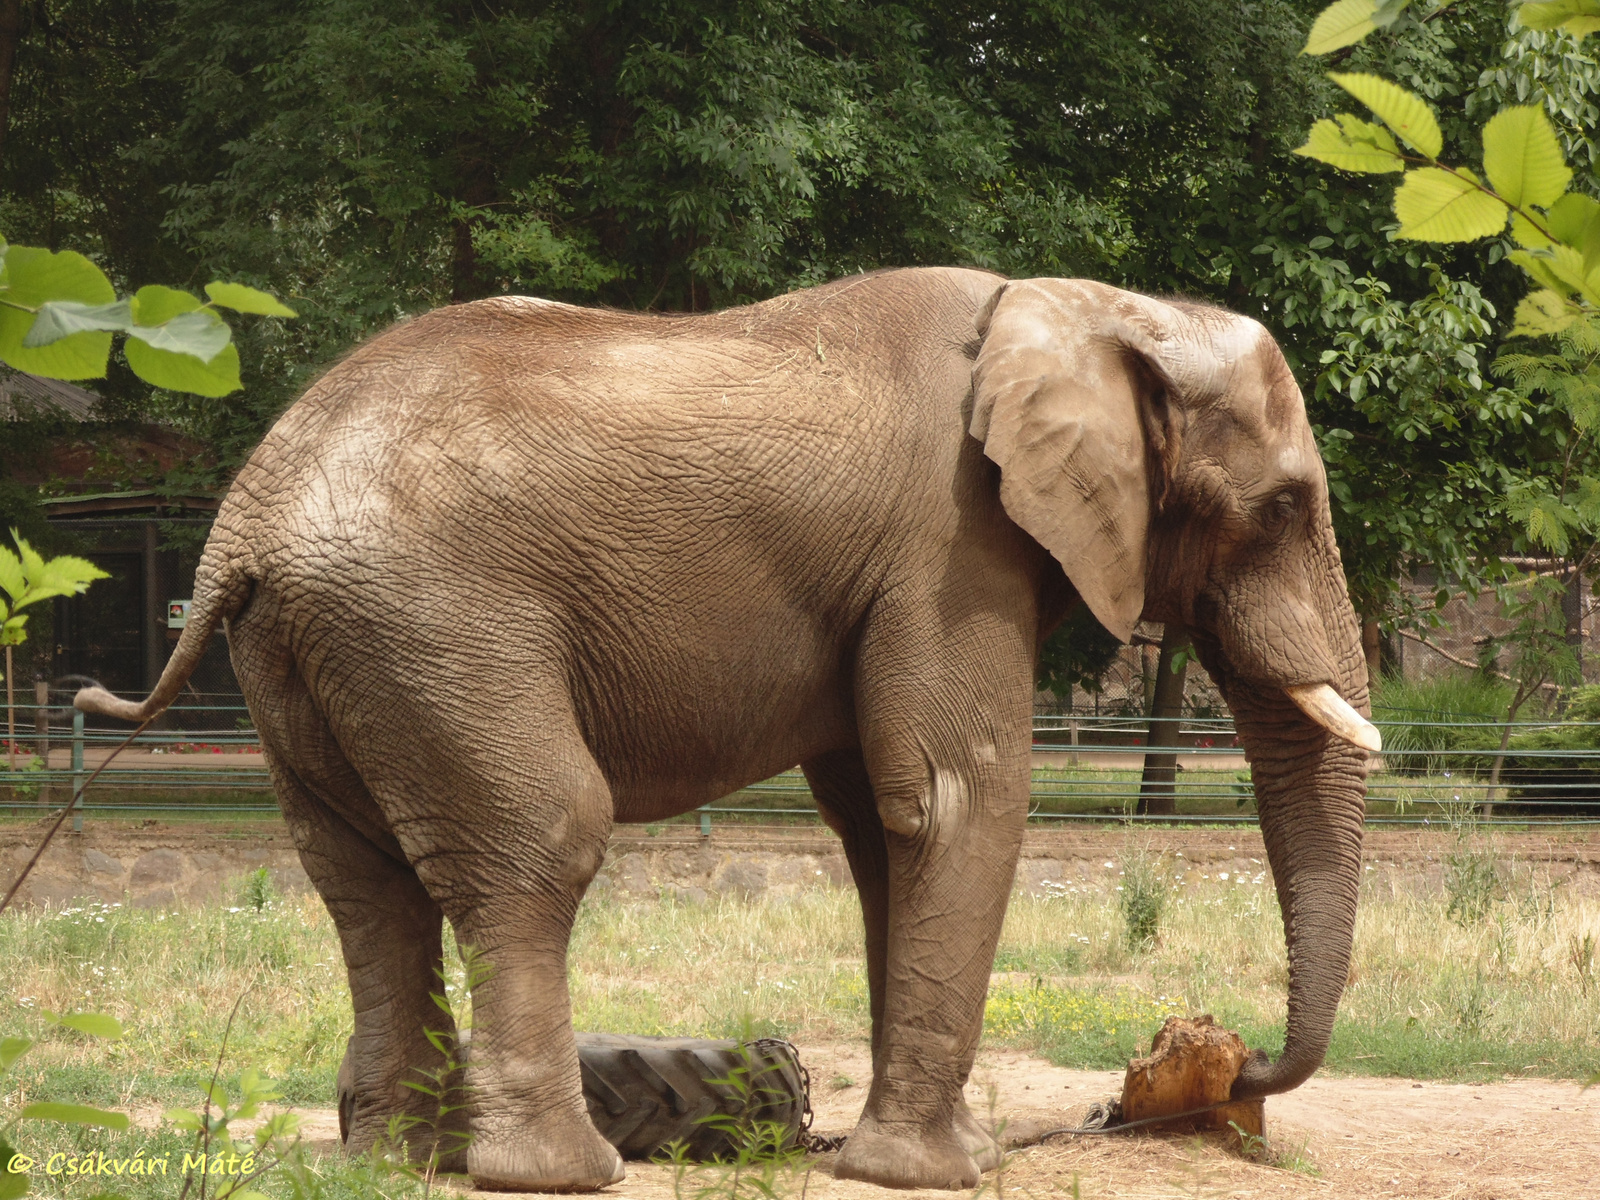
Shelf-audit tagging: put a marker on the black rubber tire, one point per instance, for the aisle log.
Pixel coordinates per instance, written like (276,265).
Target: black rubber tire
(644,1092)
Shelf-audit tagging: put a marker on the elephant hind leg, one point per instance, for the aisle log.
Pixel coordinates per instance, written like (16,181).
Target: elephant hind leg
(843,791)
(390,928)
(506,833)
(390,933)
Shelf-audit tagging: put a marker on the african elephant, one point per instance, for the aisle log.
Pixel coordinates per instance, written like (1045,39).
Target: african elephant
(686,552)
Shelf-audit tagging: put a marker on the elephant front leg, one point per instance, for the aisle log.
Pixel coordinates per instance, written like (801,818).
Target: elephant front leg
(952,835)
(843,791)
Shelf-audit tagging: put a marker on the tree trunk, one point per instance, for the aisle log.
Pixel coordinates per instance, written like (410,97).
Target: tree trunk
(1158,787)
(1500,758)
(1572,610)
(10,36)
(1372,648)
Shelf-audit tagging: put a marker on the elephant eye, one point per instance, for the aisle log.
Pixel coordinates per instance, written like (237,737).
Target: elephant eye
(1280,510)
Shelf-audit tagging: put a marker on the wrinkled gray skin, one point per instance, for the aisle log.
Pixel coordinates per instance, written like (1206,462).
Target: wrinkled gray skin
(514,571)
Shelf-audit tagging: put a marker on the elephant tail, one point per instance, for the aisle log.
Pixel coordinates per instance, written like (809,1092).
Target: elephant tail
(221,587)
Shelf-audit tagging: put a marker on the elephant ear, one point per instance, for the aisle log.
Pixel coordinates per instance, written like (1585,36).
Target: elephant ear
(1074,399)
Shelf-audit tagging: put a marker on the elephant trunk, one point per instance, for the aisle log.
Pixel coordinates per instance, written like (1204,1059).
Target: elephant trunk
(1310,787)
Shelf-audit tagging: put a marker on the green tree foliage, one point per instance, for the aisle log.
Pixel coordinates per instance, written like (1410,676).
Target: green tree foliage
(375,160)
(1412,372)
(1076,655)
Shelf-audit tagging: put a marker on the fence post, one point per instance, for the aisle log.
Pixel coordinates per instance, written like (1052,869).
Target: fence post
(1072,737)
(705,823)
(41,733)
(77,771)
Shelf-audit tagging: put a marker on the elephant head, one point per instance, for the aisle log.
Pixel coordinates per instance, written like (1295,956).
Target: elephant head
(1161,452)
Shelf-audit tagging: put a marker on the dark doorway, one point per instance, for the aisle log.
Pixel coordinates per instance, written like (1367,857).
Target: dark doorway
(100,633)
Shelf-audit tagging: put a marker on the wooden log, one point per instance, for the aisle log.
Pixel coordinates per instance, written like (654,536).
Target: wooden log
(1192,1064)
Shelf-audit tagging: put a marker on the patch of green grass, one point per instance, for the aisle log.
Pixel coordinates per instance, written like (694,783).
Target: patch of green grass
(172,977)
(1509,991)
(1085,1026)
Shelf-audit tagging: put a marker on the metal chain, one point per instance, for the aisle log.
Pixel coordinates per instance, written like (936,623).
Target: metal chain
(1107,1118)
(810,1142)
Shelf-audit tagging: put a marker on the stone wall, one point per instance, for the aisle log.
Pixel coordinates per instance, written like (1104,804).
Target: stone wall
(158,866)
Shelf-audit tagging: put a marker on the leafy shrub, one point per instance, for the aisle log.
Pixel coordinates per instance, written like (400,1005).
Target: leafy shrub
(1143,899)
(1431,717)
(1472,882)
(1544,777)
(257,891)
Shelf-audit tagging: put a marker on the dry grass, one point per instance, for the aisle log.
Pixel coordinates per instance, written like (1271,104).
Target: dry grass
(1512,992)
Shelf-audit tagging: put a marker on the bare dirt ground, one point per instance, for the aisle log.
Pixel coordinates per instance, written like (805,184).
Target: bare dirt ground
(1532,1139)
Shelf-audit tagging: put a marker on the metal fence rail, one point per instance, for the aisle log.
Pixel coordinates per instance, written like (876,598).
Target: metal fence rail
(1087,768)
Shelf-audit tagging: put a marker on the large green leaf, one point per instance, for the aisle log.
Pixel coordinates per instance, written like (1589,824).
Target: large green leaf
(95,1024)
(13,1186)
(12,578)
(40,580)
(63,318)
(1542,313)
(35,277)
(1560,269)
(1575,220)
(1435,205)
(1522,157)
(1404,112)
(1571,217)
(1351,144)
(184,372)
(1526,234)
(75,1114)
(248,300)
(1577,17)
(201,334)
(1343,23)
(11,1049)
(155,305)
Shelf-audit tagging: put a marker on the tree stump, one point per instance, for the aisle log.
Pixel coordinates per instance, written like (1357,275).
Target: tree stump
(1192,1064)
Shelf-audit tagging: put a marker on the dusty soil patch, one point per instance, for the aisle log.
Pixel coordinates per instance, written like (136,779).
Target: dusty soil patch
(1368,1137)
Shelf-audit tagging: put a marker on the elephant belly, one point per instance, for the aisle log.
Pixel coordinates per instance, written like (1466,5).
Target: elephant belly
(676,748)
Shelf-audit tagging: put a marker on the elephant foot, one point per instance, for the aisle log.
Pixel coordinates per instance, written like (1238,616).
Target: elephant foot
(974,1138)
(902,1161)
(561,1156)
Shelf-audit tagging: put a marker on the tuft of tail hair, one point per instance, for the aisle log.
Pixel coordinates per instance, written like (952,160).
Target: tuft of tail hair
(221,589)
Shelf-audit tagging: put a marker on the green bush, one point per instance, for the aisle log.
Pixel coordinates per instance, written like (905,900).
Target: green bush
(1143,899)
(1552,779)
(1432,717)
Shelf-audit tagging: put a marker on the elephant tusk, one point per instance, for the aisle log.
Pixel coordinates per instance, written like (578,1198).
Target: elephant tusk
(1330,710)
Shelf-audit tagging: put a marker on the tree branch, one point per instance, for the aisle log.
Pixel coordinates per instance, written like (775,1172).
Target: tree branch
(1462,662)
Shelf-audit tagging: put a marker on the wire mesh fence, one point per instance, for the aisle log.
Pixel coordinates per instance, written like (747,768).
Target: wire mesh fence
(1086,768)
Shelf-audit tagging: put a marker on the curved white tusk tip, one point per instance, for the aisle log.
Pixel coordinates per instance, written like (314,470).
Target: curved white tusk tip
(1327,708)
